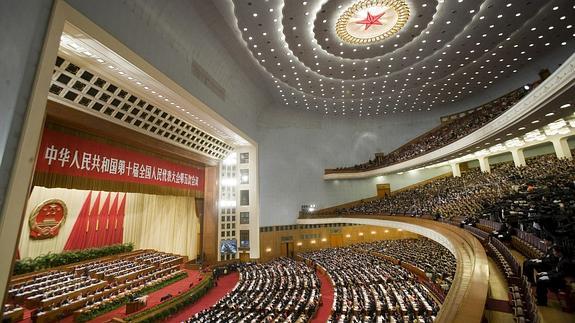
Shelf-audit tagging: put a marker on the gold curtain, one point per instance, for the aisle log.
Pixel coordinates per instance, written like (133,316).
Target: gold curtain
(161,222)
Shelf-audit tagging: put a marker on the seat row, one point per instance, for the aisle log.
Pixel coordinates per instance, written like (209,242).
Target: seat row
(430,257)
(368,288)
(282,290)
(523,302)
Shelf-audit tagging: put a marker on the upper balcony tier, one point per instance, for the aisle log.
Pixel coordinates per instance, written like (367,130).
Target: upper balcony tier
(508,117)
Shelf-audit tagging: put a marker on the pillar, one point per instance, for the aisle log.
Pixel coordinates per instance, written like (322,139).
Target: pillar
(561,148)
(24,89)
(209,222)
(455,170)
(518,157)
(484,164)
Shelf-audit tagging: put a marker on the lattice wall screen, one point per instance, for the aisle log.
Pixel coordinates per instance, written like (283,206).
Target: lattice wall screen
(86,90)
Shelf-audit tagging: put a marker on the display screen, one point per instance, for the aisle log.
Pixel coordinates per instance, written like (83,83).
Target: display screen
(228,246)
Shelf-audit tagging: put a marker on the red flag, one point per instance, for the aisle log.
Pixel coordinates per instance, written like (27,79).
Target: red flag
(102,223)
(119,232)
(77,236)
(111,222)
(92,224)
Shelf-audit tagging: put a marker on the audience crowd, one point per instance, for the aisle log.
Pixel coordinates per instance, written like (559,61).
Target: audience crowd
(370,289)
(435,260)
(443,134)
(282,290)
(537,198)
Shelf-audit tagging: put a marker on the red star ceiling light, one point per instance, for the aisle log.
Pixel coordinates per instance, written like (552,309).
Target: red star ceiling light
(370,21)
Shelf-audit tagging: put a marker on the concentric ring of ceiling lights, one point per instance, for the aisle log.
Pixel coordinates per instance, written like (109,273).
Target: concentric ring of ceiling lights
(371,21)
(446,52)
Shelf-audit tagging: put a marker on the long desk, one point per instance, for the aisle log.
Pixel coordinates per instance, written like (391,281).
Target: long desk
(14,315)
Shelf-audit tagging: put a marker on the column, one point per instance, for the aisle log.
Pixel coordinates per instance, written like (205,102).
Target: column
(518,157)
(455,170)
(561,148)
(484,164)
(23,92)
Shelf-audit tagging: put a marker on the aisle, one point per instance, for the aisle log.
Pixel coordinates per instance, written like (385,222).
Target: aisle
(326,297)
(225,285)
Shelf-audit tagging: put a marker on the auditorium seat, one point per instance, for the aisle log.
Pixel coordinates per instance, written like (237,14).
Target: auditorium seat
(281,290)
(368,288)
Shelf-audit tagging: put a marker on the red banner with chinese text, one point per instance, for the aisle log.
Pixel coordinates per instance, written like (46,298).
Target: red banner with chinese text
(75,156)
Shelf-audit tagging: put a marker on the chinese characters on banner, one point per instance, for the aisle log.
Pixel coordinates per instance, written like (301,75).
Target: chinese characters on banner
(74,156)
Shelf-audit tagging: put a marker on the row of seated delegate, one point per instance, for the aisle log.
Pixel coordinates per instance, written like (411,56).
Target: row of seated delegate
(282,290)
(370,289)
(436,261)
(158,259)
(537,198)
(56,294)
(442,135)
(38,282)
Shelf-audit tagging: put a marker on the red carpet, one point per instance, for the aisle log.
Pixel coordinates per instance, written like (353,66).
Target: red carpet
(225,285)
(326,298)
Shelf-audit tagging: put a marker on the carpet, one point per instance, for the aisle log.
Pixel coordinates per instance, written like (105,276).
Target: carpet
(225,285)
(326,297)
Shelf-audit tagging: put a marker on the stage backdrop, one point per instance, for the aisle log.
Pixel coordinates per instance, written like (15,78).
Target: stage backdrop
(94,219)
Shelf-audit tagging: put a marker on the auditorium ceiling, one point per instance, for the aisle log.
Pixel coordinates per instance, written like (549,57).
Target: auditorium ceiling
(371,58)
(94,79)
